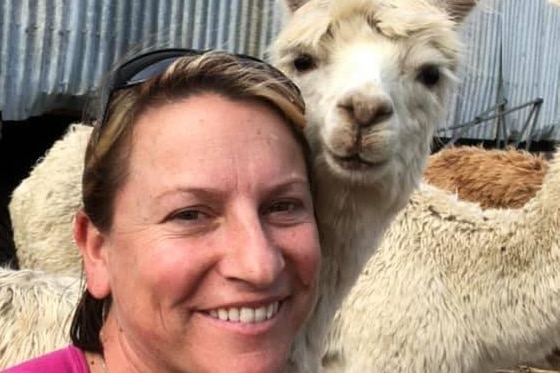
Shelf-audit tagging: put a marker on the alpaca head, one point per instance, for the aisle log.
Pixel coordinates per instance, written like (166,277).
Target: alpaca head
(374,74)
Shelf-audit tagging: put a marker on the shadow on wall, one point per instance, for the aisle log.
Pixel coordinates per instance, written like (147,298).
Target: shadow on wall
(21,144)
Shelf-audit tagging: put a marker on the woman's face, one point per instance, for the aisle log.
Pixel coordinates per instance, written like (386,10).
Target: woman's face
(213,254)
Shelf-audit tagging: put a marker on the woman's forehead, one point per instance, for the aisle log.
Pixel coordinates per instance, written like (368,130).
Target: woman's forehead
(209,133)
(209,118)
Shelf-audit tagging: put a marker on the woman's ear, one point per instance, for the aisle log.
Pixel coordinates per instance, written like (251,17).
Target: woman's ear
(92,245)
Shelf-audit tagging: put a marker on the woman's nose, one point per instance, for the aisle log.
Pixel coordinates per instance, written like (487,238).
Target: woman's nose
(252,256)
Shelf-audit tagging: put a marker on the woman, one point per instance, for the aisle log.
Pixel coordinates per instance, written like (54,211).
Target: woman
(198,235)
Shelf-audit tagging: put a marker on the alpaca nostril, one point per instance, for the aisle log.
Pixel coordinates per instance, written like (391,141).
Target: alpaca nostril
(369,115)
(368,111)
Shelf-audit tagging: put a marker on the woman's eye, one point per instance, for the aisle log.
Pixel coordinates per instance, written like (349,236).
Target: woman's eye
(284,206)
(189,215)
(191,220)
(287,212)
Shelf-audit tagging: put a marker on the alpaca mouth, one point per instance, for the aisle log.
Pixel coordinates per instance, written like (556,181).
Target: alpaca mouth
(355,163)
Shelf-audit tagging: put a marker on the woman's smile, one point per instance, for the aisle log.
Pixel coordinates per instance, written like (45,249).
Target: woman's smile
(246,321)
(246,314)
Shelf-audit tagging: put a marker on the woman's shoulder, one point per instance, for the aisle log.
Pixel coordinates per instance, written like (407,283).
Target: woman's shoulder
(67,360)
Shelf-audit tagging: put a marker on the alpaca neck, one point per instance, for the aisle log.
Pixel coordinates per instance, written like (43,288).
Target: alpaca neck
(351,223)
(352,220)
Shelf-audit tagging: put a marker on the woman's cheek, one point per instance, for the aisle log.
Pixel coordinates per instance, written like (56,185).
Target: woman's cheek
(307,254)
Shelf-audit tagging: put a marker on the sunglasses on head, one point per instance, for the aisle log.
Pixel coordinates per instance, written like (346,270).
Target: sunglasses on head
(146,66)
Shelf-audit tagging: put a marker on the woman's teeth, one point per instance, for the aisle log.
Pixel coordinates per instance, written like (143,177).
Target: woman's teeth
(246,315)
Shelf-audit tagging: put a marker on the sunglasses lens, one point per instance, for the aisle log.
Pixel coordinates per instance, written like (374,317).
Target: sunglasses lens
(149,72)
(147,66)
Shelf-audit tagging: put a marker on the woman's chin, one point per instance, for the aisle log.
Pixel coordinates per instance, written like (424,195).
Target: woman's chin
(257,361)
(246,347)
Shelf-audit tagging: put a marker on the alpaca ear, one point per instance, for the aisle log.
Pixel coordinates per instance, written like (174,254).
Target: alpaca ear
(294,5)
(458,9)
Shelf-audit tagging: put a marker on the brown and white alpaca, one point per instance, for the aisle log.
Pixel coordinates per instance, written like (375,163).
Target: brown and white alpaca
(454,288)
(494,178)
(374,75)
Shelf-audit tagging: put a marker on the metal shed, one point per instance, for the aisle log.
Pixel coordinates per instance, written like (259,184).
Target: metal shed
(53,53)
(512,60)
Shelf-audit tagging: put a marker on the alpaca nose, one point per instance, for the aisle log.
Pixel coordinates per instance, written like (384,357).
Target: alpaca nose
(367,109)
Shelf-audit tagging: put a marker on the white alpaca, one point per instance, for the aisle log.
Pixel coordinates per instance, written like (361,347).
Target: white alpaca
(35,313)
(454,288)
(374,75)
(43,205)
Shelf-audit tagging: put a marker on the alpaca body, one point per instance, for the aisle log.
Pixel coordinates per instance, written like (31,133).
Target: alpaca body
(454,288)
(494,178)
(43,205)
(375,77)
(35,313)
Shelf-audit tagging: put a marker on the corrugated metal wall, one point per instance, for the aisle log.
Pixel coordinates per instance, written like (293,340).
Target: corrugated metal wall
(54,52)
(513,55)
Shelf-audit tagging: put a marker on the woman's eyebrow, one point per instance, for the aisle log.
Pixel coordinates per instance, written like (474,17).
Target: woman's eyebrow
(217,193)
(213,193)
(291,185)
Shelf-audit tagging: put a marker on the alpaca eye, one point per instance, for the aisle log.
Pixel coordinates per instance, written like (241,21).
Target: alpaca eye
(304,62)
(429,75)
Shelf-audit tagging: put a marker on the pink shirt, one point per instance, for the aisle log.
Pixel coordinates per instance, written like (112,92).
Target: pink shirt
(67,360)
